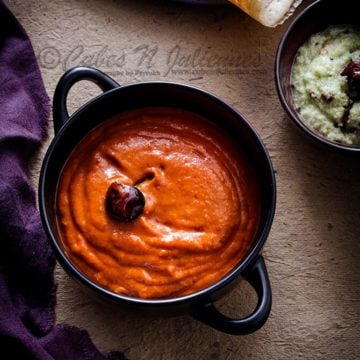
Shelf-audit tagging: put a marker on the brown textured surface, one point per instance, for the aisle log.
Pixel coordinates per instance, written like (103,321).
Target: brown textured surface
(313,250)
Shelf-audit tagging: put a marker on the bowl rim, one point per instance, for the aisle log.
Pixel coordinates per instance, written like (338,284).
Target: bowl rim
(293,115)
(243,265)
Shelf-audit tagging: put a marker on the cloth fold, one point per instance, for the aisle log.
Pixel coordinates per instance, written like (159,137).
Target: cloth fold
(27,287)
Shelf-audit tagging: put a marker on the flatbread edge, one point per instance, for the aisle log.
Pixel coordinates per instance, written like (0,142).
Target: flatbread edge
(268,12)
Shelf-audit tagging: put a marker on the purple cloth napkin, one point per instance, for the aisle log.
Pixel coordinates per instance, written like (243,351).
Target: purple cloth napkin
(27,288)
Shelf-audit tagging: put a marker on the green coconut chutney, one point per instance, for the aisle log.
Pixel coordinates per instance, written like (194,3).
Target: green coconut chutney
(321,94)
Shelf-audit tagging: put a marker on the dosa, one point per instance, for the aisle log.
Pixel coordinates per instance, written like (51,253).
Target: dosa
(268,12)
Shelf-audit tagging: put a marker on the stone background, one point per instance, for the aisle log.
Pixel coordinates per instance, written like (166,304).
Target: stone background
(313,250)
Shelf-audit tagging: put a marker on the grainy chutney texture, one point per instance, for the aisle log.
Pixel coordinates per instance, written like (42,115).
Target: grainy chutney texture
(320,92)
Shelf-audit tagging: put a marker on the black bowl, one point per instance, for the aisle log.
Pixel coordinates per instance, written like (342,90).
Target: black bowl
(116,99)
(313,19)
